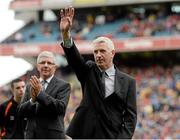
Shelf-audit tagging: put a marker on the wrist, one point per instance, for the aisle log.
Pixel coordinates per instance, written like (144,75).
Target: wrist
(32,100)
(66,35)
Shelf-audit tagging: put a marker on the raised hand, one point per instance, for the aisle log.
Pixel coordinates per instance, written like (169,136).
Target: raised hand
(66,21)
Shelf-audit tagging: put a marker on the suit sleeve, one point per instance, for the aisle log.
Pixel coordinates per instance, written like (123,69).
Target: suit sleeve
(76,61)
(130,114)
(55,106)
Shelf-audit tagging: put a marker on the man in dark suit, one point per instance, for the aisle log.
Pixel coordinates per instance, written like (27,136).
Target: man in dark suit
(45,101)
(108,106)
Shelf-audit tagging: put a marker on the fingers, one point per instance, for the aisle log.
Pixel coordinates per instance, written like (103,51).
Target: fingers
(71,11)
(62,13)
(67,12)
(36,79)
(32,83)
(35,83)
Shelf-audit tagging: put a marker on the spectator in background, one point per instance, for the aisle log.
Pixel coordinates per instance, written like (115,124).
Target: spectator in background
(100,20)
(11,125)
(45,101)
(108,107)
(19,37)
(177,87)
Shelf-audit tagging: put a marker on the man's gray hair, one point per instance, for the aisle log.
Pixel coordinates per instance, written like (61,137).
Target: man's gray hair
(46,54)
(105,40)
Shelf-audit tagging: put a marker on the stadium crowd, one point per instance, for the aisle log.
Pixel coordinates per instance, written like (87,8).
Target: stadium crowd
(89,25)
(158,91)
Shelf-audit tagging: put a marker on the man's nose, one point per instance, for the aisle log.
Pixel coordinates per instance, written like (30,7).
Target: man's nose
(22,89)
(98,54)
(46,64)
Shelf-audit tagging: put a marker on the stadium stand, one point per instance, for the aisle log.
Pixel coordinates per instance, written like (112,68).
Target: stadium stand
(108,21)
(119,28)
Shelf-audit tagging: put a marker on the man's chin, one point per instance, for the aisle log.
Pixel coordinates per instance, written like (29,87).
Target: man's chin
(45,76)
(45,72)
(100,66)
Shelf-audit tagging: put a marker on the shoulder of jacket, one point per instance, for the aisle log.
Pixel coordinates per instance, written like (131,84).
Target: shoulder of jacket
(90,63)
(62,81)
(127,76)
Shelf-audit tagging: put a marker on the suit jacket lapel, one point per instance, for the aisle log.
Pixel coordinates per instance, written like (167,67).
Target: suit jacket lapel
(118,83)
(51,85)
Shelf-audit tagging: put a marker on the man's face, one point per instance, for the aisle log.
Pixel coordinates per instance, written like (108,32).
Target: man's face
(103,55)
(46,67)
(18,89)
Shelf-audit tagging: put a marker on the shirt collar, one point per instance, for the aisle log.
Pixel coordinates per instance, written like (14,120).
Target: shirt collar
(47,80)
(111,71)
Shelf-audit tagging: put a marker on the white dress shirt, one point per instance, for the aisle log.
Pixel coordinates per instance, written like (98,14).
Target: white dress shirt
(109,81)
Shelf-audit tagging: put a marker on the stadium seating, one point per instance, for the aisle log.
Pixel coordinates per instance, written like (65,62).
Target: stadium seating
(36,32)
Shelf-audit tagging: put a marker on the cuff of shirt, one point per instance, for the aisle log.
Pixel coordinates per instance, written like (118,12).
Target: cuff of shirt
(32,102)
(68,43)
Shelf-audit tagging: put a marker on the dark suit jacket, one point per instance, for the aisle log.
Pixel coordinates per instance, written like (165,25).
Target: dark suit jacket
(99,117)
(46,118)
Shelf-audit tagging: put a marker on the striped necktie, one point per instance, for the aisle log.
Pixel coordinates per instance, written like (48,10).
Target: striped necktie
(43,83)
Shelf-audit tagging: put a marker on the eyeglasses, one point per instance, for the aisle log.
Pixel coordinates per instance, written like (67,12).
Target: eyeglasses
(44,62)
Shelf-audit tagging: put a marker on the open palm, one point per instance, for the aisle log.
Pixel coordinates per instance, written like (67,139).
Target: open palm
(66,19)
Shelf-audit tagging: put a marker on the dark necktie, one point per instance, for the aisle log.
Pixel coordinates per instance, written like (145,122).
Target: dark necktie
(103,74)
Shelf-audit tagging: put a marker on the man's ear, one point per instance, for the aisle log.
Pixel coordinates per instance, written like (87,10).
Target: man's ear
(55,67)
(38,67)
(113,52)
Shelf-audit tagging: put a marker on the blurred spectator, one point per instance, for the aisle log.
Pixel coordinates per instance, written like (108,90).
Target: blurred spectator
(18,37)
(100,20)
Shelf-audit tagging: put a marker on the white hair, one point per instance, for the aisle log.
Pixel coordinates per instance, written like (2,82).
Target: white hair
(105,40)
(46,54)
